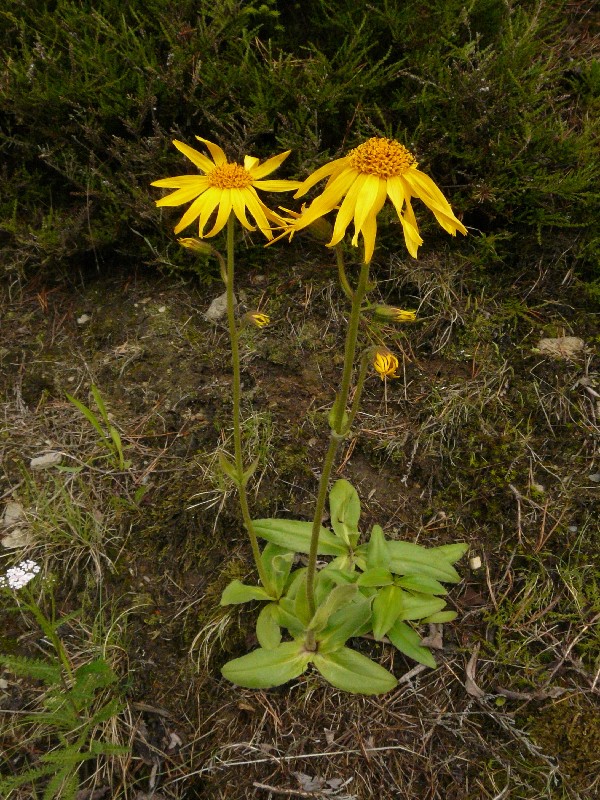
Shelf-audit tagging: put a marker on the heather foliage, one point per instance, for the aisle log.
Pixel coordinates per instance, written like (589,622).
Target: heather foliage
(498,98)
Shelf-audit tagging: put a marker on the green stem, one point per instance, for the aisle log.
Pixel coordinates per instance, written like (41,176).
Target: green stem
(364,366)
(339,429)
(237,391)
(339,257)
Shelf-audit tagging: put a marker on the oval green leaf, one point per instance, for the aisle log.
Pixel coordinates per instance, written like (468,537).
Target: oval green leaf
(263,669)
(352,672)
(295,534)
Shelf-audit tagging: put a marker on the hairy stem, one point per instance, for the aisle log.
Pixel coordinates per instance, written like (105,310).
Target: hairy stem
(237,430)
(339,429)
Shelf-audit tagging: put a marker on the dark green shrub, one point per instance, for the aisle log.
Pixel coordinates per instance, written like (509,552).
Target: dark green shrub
(497,100)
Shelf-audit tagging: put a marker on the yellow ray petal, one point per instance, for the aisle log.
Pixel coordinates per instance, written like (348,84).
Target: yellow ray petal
(199,159)
(365,202)
(411,231)
(322,172)
(249,162)
(368,226)
(395,190)
(190,215)
(268,166)
(238,199)
(181,196)
(347,210)
(212,198)
(276,186)
(369,232)
(179,181)
(423,187)
(222,214)
(217,154)
(256,208)
(422,184)
(329,198)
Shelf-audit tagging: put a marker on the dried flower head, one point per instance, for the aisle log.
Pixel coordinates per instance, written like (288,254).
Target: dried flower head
(256,318)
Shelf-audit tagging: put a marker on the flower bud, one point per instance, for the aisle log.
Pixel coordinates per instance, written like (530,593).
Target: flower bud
(385,363)
(256,318)
(394,314)
(197,245)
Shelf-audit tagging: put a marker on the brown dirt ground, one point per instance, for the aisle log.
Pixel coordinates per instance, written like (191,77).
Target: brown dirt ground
(433,458)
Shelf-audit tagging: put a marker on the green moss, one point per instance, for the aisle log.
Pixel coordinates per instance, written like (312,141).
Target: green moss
(569,730)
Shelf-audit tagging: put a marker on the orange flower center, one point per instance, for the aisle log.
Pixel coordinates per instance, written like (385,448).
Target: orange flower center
(229,176)
(382,157)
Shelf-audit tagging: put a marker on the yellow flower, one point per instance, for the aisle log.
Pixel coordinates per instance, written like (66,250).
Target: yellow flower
(224,187)
(375,170)
(393,314)
(257,319)
(385,363)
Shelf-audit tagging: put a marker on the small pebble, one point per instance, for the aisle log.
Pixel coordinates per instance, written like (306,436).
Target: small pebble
(52,459)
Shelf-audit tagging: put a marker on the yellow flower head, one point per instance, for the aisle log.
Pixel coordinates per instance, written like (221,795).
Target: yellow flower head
(224,187)
(385,363)
(257,319)
(393,314)
(372,172)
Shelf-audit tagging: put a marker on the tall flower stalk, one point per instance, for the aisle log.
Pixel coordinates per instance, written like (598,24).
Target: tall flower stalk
(225,191)
(241,475)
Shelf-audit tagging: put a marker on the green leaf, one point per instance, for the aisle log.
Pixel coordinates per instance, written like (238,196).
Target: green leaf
(237,592)
(344,508)
(277,562)
(301,607)
(419,606)
(249,472)
(421,583)
(408,641)
(228,467)
(36,668)
(407,558)
(295,534)
(375,577)
(268,631)
(88,414)
(352,672)
(388,605)
(344,624)
(378,554)
(338,597)
(285,617)
(452,552)
(262,668)
(441,616)
(100,403)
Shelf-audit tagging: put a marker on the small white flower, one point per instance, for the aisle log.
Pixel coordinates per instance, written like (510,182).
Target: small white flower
(19,576)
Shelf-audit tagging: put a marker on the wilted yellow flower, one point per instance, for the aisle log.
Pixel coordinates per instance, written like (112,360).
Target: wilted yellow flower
(224,187)
(375,170)
(256,318)
(393,314)
(385,363)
